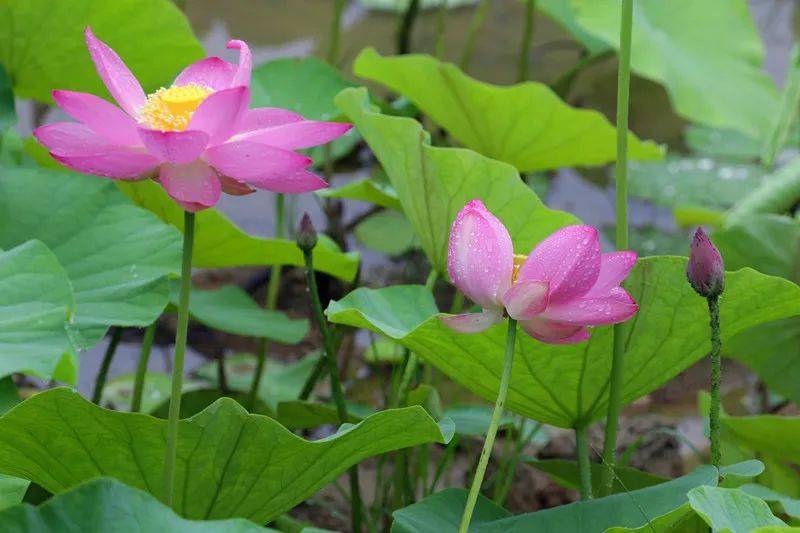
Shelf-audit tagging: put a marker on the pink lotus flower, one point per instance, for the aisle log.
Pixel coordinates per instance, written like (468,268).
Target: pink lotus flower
(197,137)
(561,288)
(705,269)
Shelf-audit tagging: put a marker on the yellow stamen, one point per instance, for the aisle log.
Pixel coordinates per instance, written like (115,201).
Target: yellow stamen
(171,109)
(518,260)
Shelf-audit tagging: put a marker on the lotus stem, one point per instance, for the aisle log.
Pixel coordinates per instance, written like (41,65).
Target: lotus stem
(407,27)
(441,18)
(180,352)
(478,17)
(615,387)
(527,37)
(102,374)
(716,378)
(335,37)
(480,472)
(584,464)
(141,368)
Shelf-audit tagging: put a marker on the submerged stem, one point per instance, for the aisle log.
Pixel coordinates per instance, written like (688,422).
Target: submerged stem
(102,374)
(141,368)
(621,173)
(505,379)
(180,351)
(584,464)
(716,378)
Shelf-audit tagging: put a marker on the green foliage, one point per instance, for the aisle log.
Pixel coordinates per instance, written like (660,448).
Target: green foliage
(731,510)
(8,115)
(42,45)
(230,463)
(566,474)
(433,183)
(118,391)
(473,420)
(567,385)
(220,243)
(724,144)
(790,506)
(487,118)
(196,400)
(387,232)
(365,190)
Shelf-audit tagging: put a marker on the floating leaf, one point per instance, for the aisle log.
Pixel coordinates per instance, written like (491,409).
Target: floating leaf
(387,232)
(43,46)
(117,256)
(568,385)
(566,474)
(731,510)
(705,71)
(525,125)
(103,505)
(433,184)
(220,243)
(230,463)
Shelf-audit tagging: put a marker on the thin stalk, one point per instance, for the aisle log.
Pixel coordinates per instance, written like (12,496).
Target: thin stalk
(511,468)
(329,345)
(505,379)
(441,17)
(273,288)
(180,352)
(615,387)
(525,44)
(335,36)
(716,376)
(478,17)
(102,374)
(449,451)
(584,465)
(407,27)
(141,368)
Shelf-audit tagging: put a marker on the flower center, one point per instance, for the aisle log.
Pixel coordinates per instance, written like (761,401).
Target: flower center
(171,109)
(518,260)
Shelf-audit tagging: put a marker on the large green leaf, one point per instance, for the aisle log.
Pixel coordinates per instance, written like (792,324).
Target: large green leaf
(230,463)
(441,512)
(707,54)
(566,474)
(568,385)
(232,310)
(387,232)
(103,505)
(731,510)
(525,125)
(365,190)
(220,243)
(770,435)
(433,184)
(563,12)
(42,45)
(36,305)
(12,490)
(117,255)
(790,506)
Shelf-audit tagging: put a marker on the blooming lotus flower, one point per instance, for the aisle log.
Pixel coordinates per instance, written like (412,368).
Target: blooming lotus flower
(564,286)
(197,138)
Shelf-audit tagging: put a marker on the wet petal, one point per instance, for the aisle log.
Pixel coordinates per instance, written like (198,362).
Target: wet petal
(298,135)
(473,322)
(194,184)
(116,76)
(174,146)
(102,117)
(118,163)
(480,255)
(296,183)
(71,138)
(220,113)
(267,117)
(613,307)
(614,268)
(551,332)
(569,259)
(252,162)
(242,76)
(526,299)
(211,72)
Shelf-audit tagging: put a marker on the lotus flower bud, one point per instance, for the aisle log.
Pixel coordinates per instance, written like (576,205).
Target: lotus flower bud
(706,270)
(306,234)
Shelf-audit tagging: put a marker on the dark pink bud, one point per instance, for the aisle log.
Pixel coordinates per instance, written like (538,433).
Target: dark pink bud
(706,270)
(306,234)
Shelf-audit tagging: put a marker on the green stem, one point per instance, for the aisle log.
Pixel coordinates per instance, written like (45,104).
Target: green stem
(478,17)
(272,301)
(180,352)
(716,378)
(505,379)
(406,27)
(584,464)
(335,37)
(441,17)
(449,451)
(141,368)
(329,345)
(102,374)
(527,37)
(615,387)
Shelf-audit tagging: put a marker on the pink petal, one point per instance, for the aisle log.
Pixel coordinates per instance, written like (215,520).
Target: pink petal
(299,182)
(242,76)
(267,117)
(569,259)
(102,117)
(211,72)
(526,299)
(251,162)
(194,185)
(614,268)
(119,81)
(234,187)
(473,322)
(174,146)
(298,135)
(480,256)
(219,114)
(551,332)
(615,306)
(71,138)
(115,163)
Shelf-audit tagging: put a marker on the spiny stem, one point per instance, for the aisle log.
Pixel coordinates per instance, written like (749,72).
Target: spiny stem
(527,37)
(329,345)
(505,379)
(716,378)
(584,464)
(102,374)
(141,368)
(618,359)
(180,351)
